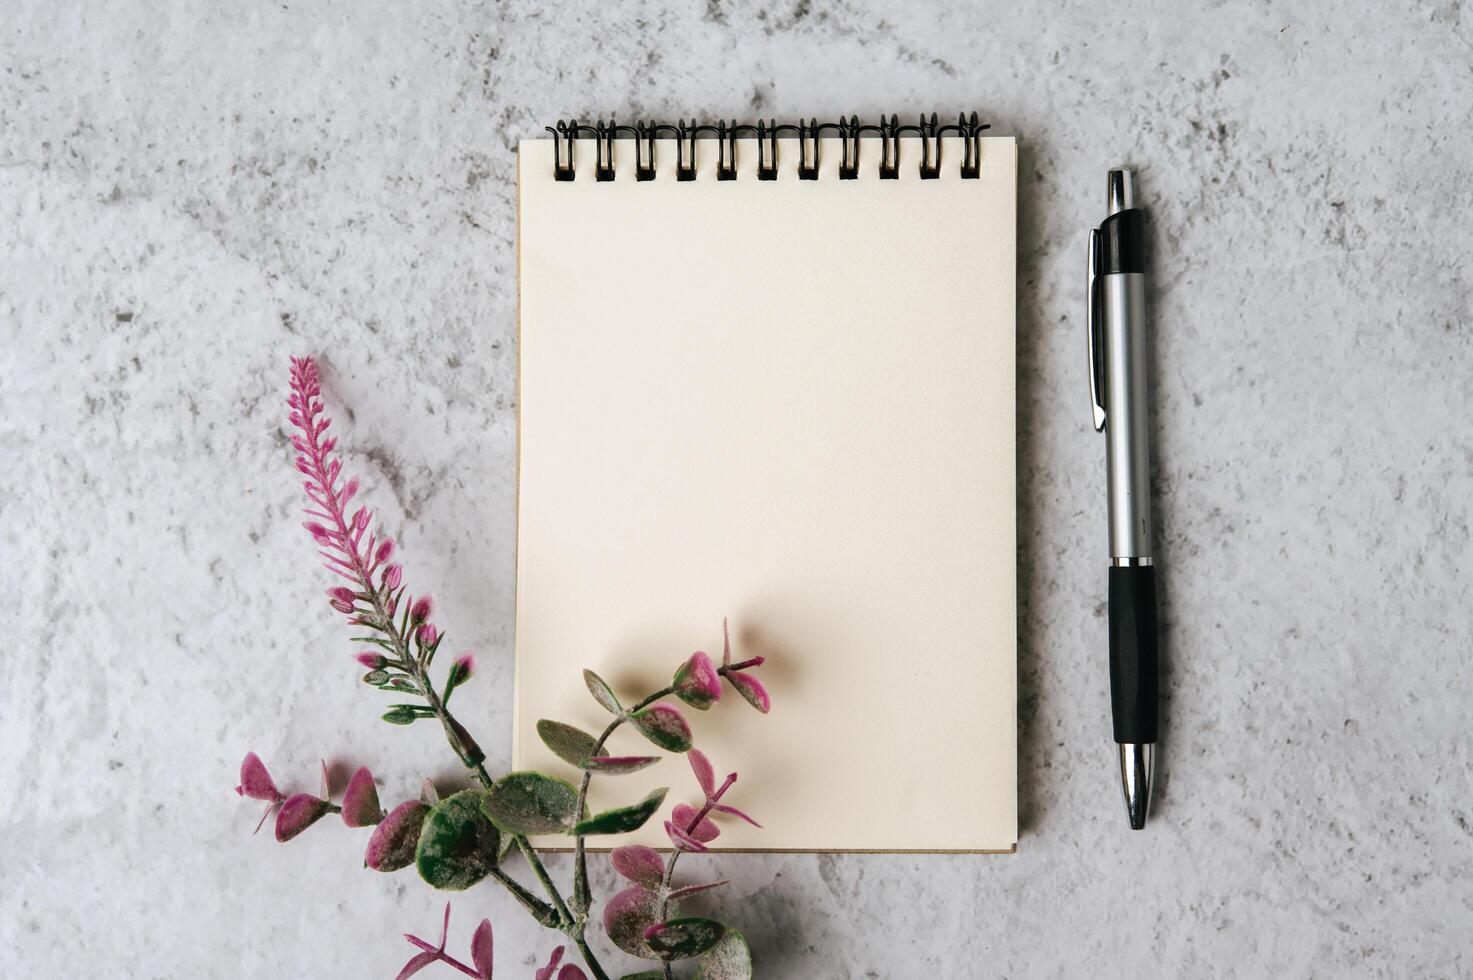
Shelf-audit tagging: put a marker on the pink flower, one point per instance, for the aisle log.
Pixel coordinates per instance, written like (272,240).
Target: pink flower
(426,633)
(420,611)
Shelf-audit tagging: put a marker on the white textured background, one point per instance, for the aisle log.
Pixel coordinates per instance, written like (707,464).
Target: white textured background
(186,197)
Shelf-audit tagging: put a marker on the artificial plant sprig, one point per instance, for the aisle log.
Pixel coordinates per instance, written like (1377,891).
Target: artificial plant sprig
(459,840)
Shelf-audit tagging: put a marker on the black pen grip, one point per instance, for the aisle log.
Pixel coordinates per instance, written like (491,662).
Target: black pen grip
(1133,660)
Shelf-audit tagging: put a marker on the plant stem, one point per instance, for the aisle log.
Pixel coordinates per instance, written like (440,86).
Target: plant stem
(580,857)
(412,665)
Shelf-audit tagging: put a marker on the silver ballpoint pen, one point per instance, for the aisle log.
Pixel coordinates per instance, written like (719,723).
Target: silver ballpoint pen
(1117,380)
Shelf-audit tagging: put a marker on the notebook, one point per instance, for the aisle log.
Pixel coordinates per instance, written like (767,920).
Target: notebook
(767,374)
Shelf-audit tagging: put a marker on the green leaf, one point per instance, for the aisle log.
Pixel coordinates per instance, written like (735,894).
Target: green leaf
(572,745)
(729,959)
(531,803)
(664,725)
(376,677)
(405,714)
(681,938)
(601,692)
(624,819)
(458,845)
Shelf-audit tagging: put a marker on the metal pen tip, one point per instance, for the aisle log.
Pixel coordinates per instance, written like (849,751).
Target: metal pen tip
(1120,191)
(1136,769)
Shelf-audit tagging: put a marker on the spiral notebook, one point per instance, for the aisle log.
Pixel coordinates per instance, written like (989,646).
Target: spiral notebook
(767,374)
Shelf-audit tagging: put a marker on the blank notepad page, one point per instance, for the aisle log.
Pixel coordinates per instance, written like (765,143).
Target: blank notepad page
(790,404)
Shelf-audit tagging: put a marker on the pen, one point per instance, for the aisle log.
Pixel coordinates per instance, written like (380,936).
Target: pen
(1117,383)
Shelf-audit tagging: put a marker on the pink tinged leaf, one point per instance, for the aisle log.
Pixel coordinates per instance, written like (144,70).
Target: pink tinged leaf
(690,890)
(684,817)
(481,945)
(750,688)
(546,972)
(393,842)
(427,791)
(571,972)
(326,786)
(664,725)
(300,811)
(705,774)
(420,611)
(683,840)
(418,962)
(255,781)
(725,644)
(641,865)
(360,801)
(619,765)
(627,915)
(601,692)
(734,812)
(697,683)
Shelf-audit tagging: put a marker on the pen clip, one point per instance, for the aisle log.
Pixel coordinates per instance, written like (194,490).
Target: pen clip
(1096,337)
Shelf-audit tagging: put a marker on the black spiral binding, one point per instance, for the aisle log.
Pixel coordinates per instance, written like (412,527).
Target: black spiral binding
(850,131)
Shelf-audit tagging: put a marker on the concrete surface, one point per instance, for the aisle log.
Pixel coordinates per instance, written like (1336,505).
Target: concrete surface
(189,195)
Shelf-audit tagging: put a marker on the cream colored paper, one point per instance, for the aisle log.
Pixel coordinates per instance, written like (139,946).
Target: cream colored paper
(790,403)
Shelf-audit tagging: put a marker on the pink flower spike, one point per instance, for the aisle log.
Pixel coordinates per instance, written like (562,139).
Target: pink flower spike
(393,576)
(705,775)
(750,688)
(546,972)
(734,812)
(460,671)
(481,946)
(684,841)
(420,611)
(256,782)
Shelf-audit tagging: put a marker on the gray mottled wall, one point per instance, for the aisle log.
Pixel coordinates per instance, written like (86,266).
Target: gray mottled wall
(189,195)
